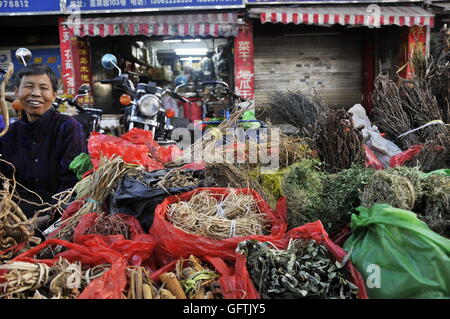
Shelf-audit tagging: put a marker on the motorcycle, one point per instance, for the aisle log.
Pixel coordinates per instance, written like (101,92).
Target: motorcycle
(218,103)
(90,118)
(143,103)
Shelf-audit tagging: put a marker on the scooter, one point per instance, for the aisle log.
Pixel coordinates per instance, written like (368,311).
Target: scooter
(143,103)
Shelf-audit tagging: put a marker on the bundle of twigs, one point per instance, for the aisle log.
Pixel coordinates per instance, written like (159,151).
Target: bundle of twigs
(107,224)
(103,181)
(203,146)
(339,144)
(289,149)
(421,104)
(63,280)
(179,178)
(389,114)
(229,175)
(434,155)
(435,68)
(404,105)
(231,215)
(297,109)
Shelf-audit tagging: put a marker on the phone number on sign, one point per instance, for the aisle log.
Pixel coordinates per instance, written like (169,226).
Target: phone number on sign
(14,4)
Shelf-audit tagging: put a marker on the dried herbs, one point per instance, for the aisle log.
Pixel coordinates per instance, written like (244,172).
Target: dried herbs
(436,199)
(315,195)
(385,188)
(304,270)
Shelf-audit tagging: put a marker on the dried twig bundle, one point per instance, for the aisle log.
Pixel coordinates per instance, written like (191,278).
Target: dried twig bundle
(231,215)
(229,175)
(434,155)
(339,144)
(202,146)
(104,181)
(389,114)
(107,224)
(297,109)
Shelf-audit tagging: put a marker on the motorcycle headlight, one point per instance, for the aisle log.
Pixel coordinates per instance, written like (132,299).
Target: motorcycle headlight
(149,105)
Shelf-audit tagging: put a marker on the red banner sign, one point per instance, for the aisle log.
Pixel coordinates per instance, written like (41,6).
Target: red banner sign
(243,62)
(67,69)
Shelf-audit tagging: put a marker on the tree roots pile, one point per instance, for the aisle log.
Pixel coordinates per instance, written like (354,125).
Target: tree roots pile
(63,280)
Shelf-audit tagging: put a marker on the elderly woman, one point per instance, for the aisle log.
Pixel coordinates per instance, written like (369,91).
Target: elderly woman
(43,143)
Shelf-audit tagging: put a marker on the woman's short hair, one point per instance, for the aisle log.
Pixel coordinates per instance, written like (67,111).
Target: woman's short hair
(38,69)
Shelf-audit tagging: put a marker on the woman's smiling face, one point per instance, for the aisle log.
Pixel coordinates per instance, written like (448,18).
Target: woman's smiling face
(36,94)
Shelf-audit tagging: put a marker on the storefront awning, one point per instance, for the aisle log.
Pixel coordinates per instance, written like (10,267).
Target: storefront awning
(347,15)
(211,24)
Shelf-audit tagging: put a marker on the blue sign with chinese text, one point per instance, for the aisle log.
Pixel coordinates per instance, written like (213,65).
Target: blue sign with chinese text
(10,7)
(149,5)
(323,1)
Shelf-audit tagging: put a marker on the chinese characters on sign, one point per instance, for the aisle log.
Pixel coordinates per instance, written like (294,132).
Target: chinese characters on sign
(67,72)
(85,74)
(144,5)
(243,61)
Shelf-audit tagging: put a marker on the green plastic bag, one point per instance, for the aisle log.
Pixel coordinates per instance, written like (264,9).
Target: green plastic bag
(443,171)
(81,164)
(398,255)
(247,116)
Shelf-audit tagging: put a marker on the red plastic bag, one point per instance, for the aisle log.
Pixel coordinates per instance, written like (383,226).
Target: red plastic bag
(316,232)
(371,159)
(131,152)
(98,250)
(174,243)
(403,157)
(160,153)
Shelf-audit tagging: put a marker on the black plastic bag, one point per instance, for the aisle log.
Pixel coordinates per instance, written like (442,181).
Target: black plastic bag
(139,196)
